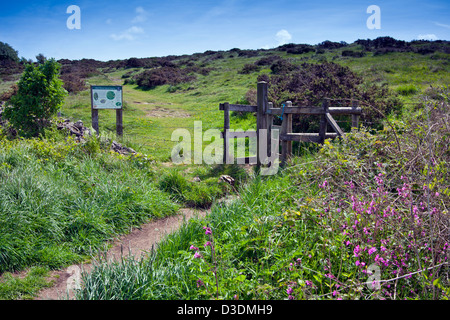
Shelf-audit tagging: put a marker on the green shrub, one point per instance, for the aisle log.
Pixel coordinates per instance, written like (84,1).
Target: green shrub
(193,194)
(309,83)
(40,95)
(8,53)
(161,76)
(249,68)
(406,90)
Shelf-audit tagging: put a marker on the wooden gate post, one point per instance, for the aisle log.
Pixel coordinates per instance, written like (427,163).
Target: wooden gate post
(119,122)
(94,114)
(226,136)
(323,122)
(355,117)
(289,129)
(262,103)
(286,128)
(269,122)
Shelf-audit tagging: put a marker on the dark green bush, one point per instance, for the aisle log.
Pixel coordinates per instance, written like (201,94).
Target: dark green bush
(249,68)
(309,84)
(282,66)
(40,95)
(8,53)
(351,53)
(161,76)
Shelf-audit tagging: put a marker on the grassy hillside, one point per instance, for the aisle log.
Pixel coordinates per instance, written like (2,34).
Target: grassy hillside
(331,223)
(307,233)
(151,114)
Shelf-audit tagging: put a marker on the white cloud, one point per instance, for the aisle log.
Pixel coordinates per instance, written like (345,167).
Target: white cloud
(108,21)
(283,36)
(141,15)
(129,34)
(442,25)
(429,36)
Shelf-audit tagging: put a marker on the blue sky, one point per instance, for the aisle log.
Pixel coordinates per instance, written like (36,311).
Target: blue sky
(122,29)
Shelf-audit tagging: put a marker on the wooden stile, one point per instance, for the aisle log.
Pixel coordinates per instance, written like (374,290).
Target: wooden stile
(264,120)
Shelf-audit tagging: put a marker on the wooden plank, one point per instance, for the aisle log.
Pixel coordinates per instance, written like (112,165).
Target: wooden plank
(273,111)
(323,122)
(344,110)
(239,107)
(226,127)
(306,137)
(240,134)
(284,144)
(276,127)
(289,129)
(334,125)
(269,122)
(315,110)
(262,102)
(296,110)
(355,117)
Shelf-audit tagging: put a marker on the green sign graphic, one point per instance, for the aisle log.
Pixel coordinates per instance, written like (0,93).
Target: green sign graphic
(106,97)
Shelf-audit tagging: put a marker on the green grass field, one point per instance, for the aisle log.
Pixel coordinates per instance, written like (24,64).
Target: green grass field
(150,116)
(60,201)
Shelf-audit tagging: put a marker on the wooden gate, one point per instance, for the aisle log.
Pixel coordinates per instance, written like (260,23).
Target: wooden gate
(264,120)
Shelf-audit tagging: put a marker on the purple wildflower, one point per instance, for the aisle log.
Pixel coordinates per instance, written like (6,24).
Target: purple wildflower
(207,230)
(356,251)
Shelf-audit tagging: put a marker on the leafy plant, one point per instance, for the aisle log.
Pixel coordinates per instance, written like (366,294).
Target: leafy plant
(8,53)
(309,83)
(39,96)
(160,76)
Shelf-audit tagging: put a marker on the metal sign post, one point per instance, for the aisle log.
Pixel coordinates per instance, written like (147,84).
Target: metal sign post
(107,97)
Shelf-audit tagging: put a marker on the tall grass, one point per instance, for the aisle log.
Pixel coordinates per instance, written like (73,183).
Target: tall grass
(365,218)
(58,202)
(171,270)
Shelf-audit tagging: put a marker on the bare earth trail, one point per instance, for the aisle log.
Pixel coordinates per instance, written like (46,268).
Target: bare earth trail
(137,243)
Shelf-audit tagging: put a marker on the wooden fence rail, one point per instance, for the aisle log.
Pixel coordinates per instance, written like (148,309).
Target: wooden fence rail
(264,123)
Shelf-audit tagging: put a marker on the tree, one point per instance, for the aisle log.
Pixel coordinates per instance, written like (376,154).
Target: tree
(40,58)
(39,97)
(8,53)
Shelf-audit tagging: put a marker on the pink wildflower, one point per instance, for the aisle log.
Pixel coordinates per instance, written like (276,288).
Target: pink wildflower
(356,251)
(207,230)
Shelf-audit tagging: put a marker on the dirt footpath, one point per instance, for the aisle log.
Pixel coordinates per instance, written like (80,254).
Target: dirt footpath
(137,242)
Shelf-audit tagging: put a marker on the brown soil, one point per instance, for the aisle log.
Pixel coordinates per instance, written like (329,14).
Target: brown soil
(160,112)
(137,243)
